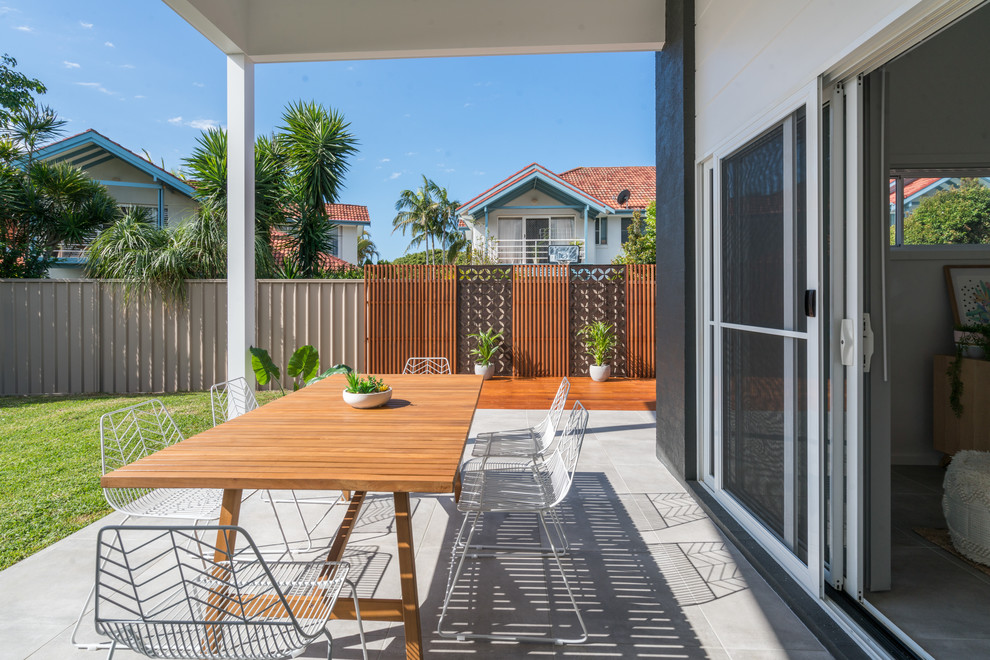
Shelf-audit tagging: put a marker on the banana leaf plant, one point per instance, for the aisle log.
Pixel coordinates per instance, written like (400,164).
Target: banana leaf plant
(303,368)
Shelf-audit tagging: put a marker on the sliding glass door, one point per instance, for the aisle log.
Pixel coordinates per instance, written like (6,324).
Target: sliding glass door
(762,453)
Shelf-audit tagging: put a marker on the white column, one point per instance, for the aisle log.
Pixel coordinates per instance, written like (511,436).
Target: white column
(240,215)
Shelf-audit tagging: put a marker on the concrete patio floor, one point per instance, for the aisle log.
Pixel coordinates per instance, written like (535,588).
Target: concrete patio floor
(654,576)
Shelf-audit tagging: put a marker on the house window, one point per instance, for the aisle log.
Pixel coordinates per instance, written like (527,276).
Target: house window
(527,240)
(601,231)
(625,224)
(939,208)
(152,212)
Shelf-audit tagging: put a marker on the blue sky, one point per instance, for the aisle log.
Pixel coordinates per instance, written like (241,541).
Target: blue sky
(136,72)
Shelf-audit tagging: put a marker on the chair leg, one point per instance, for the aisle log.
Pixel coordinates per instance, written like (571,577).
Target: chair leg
(267,497)
(91,646)
(456,574)
(506,637)
(357,615)
(570,592)
(302,519)
(278,521)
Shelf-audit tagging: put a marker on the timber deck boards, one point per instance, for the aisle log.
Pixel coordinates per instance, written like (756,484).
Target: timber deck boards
(537,393)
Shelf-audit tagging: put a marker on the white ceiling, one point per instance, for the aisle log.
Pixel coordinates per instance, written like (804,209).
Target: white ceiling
(313,30)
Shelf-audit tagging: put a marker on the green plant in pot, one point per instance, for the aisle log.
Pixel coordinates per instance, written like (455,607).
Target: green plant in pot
(487,345)
(972,341)
(367,392)
(600,342)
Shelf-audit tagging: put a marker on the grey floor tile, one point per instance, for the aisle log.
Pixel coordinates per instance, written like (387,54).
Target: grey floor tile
(934,595)
(639,544)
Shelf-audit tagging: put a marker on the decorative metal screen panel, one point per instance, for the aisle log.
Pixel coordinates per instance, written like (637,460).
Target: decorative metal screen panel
(484,300)
(597,293)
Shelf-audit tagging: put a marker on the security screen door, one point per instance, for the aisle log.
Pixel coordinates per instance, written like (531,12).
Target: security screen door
(765,403)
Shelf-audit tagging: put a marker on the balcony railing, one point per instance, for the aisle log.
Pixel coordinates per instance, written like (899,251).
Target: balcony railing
(70,252)
(535,251)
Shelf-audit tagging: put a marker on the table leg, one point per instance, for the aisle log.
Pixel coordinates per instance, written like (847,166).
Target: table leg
(407,577)
(230,511)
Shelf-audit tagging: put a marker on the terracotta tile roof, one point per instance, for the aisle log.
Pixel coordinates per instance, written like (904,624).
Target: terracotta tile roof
(348,212)
(911,186)
(282,247)
(605,183)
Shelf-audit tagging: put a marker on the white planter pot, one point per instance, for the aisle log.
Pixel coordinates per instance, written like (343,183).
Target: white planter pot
(373,400)
(600,372)
(966,341)
(483,370)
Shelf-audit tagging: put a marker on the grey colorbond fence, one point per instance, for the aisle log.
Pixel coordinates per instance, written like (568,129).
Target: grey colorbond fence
(77,336)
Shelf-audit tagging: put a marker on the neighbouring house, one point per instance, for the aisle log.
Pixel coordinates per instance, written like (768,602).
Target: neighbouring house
(351,221)
(529,216)
(136,182)
(912,191)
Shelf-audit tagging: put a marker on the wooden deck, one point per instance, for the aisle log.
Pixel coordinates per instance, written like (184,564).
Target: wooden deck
(535,393)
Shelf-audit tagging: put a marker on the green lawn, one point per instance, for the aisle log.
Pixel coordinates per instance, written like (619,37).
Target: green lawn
(50,462)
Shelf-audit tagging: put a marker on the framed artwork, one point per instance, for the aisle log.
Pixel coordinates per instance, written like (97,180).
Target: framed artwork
(969,293)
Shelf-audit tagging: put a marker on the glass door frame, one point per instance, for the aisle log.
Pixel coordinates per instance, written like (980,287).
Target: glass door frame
(710,324)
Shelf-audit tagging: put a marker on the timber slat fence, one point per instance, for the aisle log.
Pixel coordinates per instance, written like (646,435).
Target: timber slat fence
(79,336)
(409,313)
(431,310)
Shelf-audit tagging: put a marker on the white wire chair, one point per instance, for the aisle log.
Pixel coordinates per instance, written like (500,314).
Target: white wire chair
(427,365)
(126,435)
(517,485)
(528,442)
(165,593)
(233,398)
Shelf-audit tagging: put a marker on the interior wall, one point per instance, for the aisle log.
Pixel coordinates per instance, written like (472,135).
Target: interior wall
(920,325)
(936,115)
(937,98)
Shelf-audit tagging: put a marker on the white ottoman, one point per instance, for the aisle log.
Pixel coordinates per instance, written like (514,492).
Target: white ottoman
(966,504)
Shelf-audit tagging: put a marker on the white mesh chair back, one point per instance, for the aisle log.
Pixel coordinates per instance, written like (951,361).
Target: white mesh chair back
(559,468)
(231,399)
(137,431)
(547,428)
(427,365)
(165,593)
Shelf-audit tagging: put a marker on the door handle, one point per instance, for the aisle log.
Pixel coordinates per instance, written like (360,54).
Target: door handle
(810,303)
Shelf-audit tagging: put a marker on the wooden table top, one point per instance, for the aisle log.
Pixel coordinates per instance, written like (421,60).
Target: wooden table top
(312,440)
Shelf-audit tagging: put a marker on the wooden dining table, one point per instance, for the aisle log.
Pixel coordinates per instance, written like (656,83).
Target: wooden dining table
(312,440)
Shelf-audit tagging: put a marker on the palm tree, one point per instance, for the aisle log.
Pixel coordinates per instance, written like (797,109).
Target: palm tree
(142,255)
(453,240)
(367,252)
(30,126)
(208,167)
(415,210)
(316,143)
(429,215)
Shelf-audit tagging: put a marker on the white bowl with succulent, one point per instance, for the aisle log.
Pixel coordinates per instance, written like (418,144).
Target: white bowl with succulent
(600,342)
(488,344)
(370,392)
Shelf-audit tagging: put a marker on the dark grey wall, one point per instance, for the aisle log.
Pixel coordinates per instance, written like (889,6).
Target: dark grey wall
(676,332)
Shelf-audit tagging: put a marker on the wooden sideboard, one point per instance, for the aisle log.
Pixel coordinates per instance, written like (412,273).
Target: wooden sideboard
(972,430)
